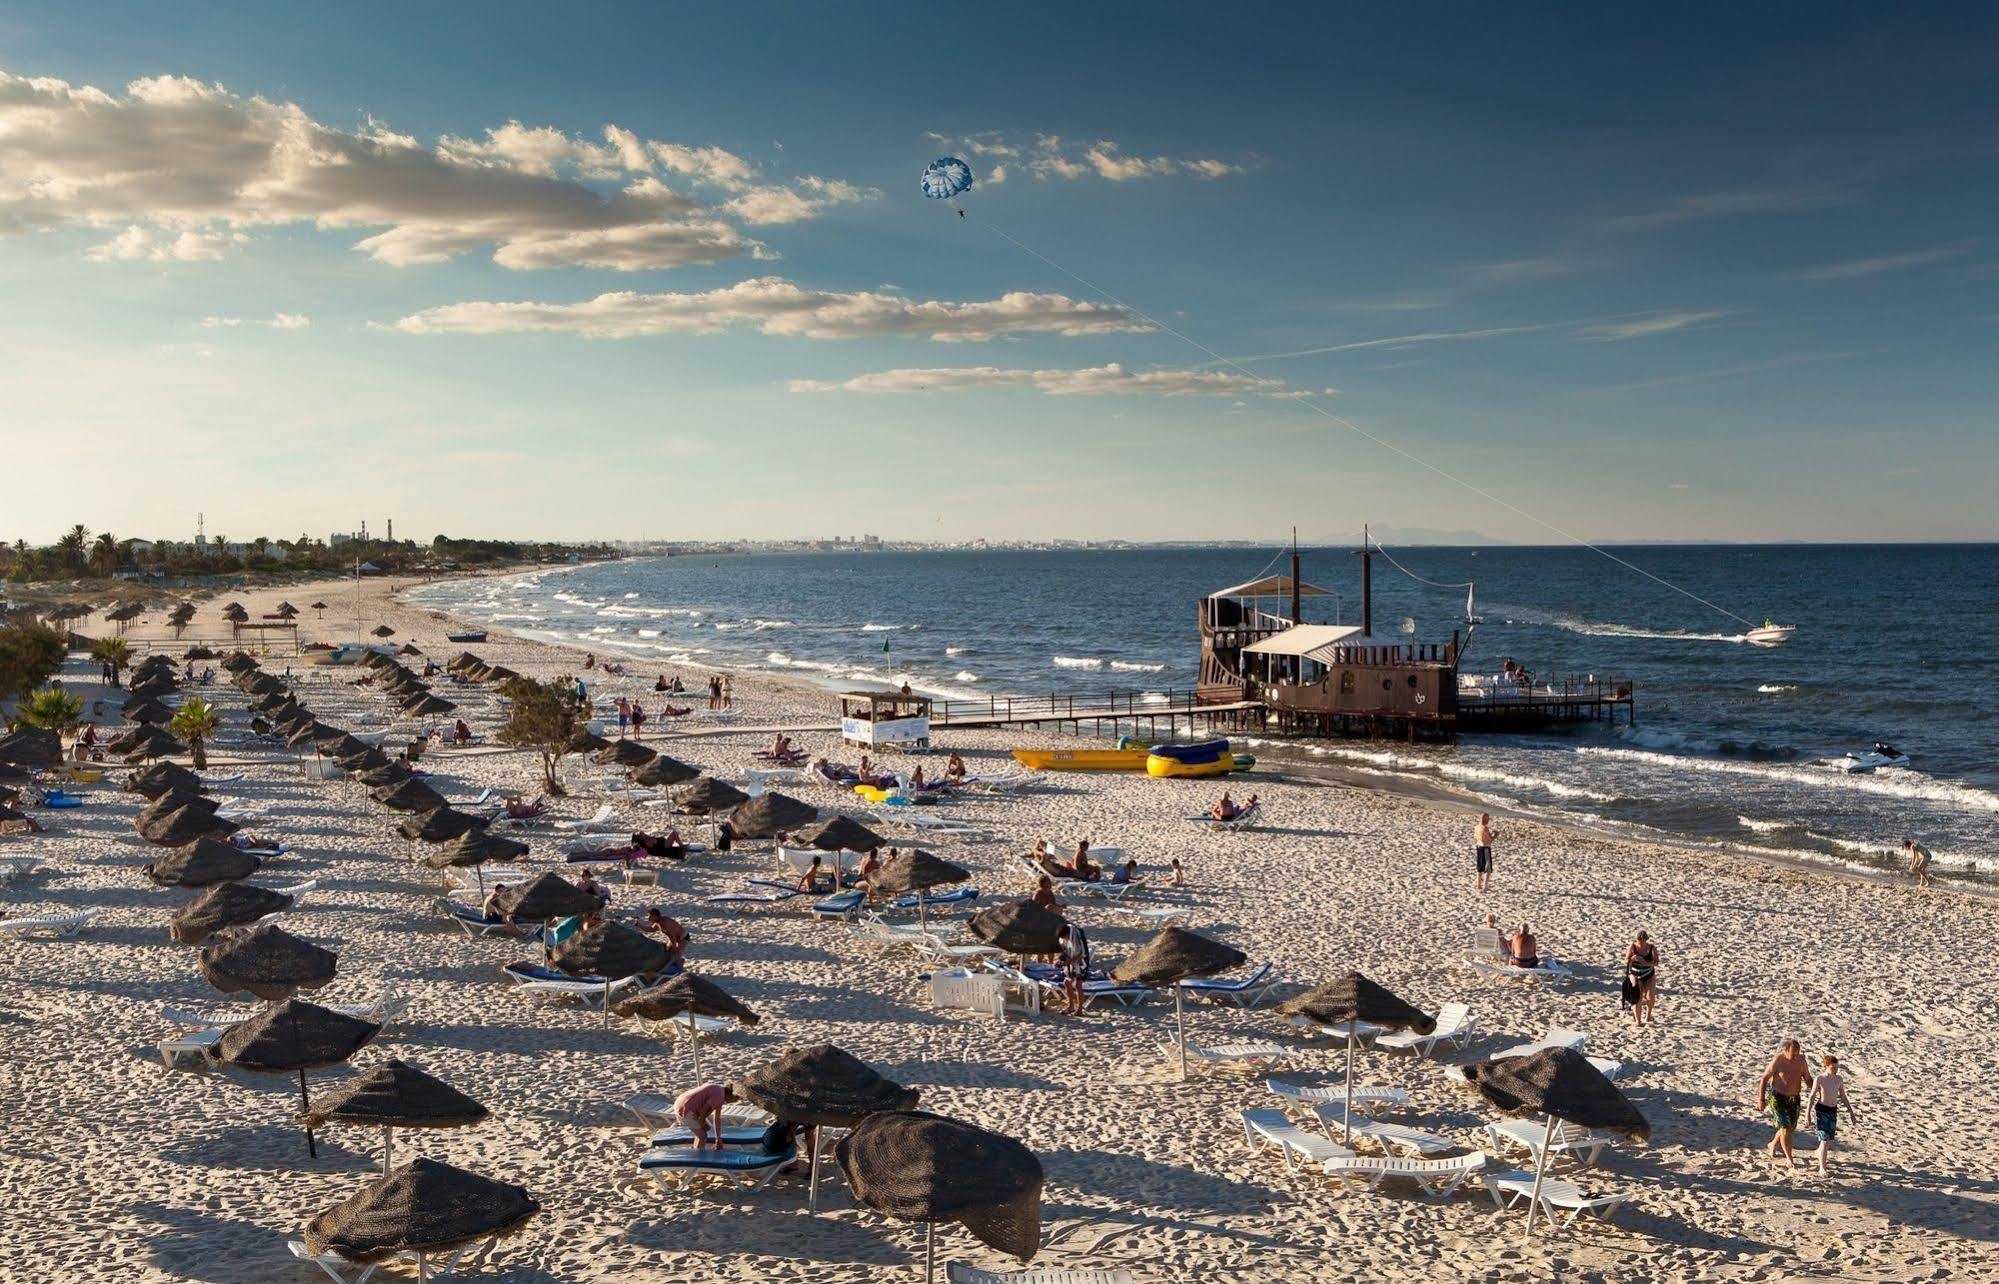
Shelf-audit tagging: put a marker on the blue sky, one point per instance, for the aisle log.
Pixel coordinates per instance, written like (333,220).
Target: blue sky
(1642,274)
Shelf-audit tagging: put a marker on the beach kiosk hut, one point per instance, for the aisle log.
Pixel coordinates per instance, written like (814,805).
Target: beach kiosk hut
(885,720)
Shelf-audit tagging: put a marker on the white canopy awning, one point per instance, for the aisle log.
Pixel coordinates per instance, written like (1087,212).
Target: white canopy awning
(1307,639)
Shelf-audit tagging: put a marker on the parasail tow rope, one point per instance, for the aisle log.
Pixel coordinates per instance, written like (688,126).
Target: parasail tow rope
(1310,402)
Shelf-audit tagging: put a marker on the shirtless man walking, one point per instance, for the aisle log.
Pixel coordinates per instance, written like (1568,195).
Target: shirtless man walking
(1483,850)
(1781,1091)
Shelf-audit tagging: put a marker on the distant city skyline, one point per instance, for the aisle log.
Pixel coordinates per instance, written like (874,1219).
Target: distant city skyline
(634,274)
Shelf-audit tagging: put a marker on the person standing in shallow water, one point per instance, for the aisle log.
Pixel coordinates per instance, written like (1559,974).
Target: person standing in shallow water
(1482,851)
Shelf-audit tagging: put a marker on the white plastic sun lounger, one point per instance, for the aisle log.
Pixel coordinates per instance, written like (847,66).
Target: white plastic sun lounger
(677,1167)
(1389,1136)
(1246,993)
(1554,1039)
(1261,1128)
(763,898)
(1454,1028)
(956,988)
(189,1050)
(1247,818)
(483,797)
(656,1112)
(1366,1101)
(600,823)
(57,925)
(1568,1139)
(1249,1056)
(1557,1196)
(1437,1178)
(337,1266)
(872,931)
(959,1273)
(1549,970)
(1156,917)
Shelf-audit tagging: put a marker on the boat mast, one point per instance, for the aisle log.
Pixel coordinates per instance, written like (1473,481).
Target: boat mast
(1366,556)
(1297,616)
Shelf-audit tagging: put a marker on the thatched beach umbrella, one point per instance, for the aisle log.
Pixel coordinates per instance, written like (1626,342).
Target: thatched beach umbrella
(321,608)
(395,1094)
(1555,1083)
(269,962)
(711,795)
(1171,957)
(172,800)
(409,648)
(348,745)
(920,1167)
(411,795)
(612,951)
(584,740)
(387,774)
(690,996)
(31,747)
(839,834)
(308,732)
(200,863)
(1349,1000)
(627,753)
(183,825)
(382,631)
(664,772)
(149,710)
(427,705)
(238,661)
(424,1207)
(144,741)
(197,653)
(367,760)
(771,813)
(286,609)
(472,849)
(822,1086)
(275,703)
(1019,927)
(162,778)
(439,826)
(545,897)
(463,660)
(294,1035)
(223,906)
(235,613)
(916,872)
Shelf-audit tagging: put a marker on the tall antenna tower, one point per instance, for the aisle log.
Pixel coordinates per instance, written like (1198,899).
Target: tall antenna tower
(200,528)
(392,530)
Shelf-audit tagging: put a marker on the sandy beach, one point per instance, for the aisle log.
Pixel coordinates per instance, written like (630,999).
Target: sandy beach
(116,1167)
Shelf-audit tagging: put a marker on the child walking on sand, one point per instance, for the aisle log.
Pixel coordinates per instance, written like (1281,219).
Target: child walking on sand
(1828,1098)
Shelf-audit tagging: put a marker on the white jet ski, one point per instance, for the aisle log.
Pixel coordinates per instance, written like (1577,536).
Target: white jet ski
(1881,755)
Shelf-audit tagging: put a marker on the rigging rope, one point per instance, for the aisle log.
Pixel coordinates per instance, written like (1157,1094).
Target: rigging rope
(1310,402)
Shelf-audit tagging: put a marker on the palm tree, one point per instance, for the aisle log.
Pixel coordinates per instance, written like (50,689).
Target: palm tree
(51,709)
(116,652)
(104,554)
(71,545)
(194,722)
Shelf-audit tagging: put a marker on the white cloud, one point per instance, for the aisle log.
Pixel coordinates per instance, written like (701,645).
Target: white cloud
(1646,327)
(803,200)
(137,244)
(1706,205)
(278,321)
(776,306)
(1097,381)
(186,169)
(1051,156)
(1854,268)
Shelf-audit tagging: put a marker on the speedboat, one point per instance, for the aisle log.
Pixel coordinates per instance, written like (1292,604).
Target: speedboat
(1881,755)
(466,635)
(1770,634)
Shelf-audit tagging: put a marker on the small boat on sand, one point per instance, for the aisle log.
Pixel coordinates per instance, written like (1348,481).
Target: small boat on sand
(466,635)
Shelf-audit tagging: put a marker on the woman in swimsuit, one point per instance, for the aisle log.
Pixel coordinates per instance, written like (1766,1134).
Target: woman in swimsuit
(1641,970)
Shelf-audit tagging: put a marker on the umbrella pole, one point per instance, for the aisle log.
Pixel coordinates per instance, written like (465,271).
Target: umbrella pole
(812,1197)
(1347,1119)
(1180,1027)
(929,1252)
(388,1148)
(607,1000)
(1540,1169)
(695,1041)
(305,1106)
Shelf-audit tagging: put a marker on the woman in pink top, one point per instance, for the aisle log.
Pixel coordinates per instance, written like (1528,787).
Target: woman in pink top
(700,1111)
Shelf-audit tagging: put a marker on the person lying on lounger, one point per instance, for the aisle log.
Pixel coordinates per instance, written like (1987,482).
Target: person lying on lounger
(519,808)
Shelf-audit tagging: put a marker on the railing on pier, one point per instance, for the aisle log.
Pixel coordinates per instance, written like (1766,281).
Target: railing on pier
(1499,693)
(1066,706)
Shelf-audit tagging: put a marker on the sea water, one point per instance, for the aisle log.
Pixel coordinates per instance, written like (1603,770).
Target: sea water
(1730,742)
